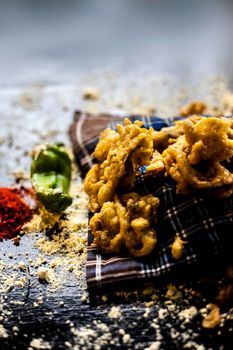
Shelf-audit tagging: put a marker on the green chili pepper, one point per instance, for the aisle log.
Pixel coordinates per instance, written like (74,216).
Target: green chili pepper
(51,176)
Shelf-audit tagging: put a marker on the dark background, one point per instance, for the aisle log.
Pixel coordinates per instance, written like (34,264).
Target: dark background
(55,41)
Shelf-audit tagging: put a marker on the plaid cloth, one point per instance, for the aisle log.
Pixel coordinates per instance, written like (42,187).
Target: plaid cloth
(204,223)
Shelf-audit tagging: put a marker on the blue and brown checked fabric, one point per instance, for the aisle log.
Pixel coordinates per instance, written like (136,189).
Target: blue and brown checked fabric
(205,223)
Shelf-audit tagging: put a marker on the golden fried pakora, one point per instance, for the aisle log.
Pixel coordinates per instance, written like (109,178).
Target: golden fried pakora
(209,139)
(126,222)
(132,148)
(202,157)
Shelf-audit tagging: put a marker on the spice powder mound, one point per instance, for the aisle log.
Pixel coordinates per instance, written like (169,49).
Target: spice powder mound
(14,213)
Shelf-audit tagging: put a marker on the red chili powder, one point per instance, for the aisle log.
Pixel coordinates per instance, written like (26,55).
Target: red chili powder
(14,213)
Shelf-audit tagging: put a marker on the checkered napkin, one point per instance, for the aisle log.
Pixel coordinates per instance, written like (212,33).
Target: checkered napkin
(204,223)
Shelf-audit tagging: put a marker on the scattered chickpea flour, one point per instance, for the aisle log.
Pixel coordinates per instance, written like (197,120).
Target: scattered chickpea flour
(65,246)
(32,276)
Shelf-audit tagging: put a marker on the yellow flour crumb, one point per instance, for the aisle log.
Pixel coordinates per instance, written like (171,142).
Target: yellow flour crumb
(90,93)
(40,344)
(115,312)
(188,314)
(21,265)
(40,260)
(173,293)
(20,282)
(3,332)
(193,107)
(43,274)
(213,318)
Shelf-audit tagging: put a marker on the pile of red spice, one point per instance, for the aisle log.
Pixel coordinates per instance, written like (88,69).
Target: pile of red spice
(14,212)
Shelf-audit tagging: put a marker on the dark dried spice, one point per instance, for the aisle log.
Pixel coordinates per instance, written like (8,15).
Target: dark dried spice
(14,213)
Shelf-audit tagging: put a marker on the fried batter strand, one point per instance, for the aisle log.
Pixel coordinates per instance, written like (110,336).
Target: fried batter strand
(202,157)
(126,222)
(108,139)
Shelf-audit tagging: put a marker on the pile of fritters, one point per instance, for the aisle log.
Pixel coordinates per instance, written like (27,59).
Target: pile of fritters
(123,220)
(196,152)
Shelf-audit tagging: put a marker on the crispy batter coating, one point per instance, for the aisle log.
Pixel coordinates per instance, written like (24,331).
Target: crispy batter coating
(108,139)
(126,222)
(202,157)
(132,148)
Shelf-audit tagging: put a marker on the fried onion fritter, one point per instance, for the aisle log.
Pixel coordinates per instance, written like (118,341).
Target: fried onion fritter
(126,222)
(209,139)
(202,157)
(132,148)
